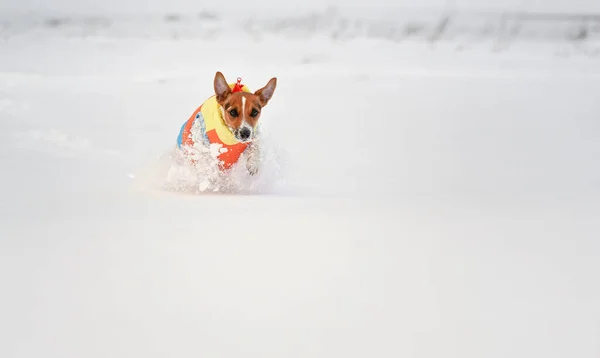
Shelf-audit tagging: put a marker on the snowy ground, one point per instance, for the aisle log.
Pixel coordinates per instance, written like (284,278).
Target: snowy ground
(424,200)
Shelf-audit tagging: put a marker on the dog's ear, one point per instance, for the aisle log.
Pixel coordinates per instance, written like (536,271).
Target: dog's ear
(222,89)
(264,94)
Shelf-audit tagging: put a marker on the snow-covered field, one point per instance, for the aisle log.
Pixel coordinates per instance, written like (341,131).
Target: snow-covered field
(419,200)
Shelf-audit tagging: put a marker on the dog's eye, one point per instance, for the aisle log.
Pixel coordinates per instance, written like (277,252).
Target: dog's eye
(233,113)
(254,113)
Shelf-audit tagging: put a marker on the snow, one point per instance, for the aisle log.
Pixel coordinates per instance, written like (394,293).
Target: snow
(420,199)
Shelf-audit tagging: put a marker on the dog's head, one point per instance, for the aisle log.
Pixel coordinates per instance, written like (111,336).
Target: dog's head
(241,110)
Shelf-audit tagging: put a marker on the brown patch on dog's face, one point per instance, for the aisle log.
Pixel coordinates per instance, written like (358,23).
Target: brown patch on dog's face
(241,107)
(241,110)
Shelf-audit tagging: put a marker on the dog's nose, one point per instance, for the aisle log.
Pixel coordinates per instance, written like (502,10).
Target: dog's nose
(245,133)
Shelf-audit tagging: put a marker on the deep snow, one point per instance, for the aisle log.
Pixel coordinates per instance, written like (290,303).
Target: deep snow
(423,200)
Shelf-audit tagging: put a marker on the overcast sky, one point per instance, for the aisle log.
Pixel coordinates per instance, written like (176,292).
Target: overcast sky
(112,6)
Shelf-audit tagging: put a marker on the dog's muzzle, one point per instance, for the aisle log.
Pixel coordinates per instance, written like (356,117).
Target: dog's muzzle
(244,133)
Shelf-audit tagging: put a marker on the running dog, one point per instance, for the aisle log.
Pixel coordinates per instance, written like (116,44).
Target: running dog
(226,124)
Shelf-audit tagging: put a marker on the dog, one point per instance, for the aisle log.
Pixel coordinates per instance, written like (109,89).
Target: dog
(226,125)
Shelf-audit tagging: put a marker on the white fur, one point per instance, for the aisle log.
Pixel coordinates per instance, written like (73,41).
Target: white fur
(244,108)
(253,157)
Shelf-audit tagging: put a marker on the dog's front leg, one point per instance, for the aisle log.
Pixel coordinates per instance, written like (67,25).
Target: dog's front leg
(253,158)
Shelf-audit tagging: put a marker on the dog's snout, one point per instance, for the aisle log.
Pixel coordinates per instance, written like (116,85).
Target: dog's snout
(245,133)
